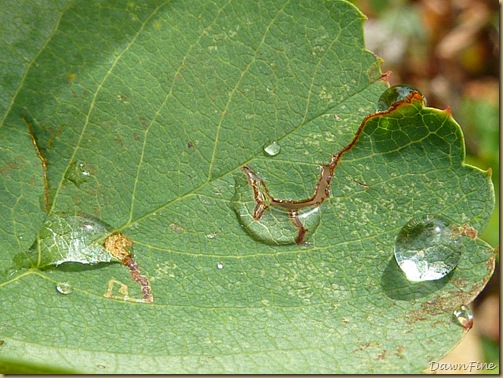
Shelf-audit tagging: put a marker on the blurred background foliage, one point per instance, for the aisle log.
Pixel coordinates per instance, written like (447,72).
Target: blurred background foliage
(449,50)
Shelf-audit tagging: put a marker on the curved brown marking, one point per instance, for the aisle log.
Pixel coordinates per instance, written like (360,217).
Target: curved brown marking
(465,230)
(385,76)
(43,160)
(264,200)
(118,246)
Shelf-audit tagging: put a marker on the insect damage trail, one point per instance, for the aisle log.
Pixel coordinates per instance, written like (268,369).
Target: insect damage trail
(117,245)
(264,200)
(43,160)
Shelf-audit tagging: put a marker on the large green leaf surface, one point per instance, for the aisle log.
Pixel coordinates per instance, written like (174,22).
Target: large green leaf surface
(146,112)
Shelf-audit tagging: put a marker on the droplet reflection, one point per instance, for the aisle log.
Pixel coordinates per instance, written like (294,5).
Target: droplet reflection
(426,248)
(64,288)
(70,238)
(272,149)
(464,316)
(78,173)
(276,225)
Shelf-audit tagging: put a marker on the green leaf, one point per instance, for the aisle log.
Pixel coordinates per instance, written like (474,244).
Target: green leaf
(145,113)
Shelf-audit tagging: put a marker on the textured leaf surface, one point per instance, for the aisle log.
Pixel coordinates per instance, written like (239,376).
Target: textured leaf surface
(145,114)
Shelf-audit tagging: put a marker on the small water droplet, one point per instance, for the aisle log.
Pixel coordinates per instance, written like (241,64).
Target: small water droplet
(427,248)
(272,149)
(396,94)
(213,235)
(64,288)
(464,316)
(81,166)
(220,265)
(78,172)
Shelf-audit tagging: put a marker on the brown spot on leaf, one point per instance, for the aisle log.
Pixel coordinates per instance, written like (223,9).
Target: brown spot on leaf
(465,230)
(381,355)
(8,167)
(119,246)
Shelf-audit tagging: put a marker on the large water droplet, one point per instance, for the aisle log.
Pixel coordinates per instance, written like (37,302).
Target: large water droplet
(464,316)
(396,94)
(427,248)
(272,149)
(70,238)
(64,288)
(276,225)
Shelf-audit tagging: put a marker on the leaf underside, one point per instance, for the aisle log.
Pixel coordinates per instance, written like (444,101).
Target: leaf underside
(145,113)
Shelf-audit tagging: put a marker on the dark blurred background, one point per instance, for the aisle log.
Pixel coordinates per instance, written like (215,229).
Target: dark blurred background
(449,50)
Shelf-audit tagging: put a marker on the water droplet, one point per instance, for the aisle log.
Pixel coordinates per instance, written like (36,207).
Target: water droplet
(70,238)
(220,265)
(427,248)
(64,288)
(78,172)
(276,225)
(464,316)
(396,94)
(272,149)
(81,166)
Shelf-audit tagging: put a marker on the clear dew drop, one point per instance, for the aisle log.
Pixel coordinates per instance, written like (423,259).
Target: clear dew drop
(70,238)
(464,316)
(64,288)
(81,166)
(272,149)
(213,235)
(78,173)
(427,248)
(395,94)
(275,226)
(220,265)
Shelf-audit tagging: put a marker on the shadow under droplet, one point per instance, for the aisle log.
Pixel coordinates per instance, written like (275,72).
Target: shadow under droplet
(69,266)
(396,286)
